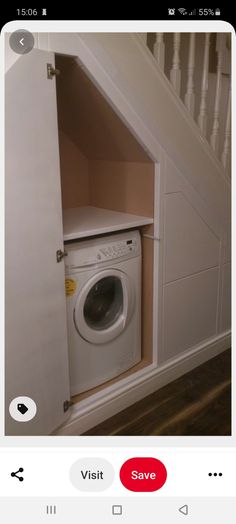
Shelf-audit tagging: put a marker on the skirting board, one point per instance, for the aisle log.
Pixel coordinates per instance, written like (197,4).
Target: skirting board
(82,420)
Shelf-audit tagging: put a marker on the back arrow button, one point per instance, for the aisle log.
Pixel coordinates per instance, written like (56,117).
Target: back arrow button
(184,510)
(21,41)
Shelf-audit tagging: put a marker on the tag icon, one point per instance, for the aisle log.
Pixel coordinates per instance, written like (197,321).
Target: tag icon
(22,408)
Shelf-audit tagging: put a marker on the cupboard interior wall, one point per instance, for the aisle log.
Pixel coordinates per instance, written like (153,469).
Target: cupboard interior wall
(103,165)
(122,186)
(74,173)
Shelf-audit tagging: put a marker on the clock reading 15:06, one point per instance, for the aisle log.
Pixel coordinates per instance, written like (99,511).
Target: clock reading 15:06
(27,12)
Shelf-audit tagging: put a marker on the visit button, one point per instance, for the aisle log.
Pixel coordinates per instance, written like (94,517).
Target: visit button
(143,474)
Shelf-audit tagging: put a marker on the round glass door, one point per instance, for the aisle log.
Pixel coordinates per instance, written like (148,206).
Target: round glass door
(104,306)
(104,303)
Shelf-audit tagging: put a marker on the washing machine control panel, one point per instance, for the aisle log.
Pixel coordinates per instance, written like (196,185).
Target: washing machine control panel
(89,253)
(119,249)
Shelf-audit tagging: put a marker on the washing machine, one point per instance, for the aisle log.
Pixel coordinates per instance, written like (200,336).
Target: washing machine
(103,291)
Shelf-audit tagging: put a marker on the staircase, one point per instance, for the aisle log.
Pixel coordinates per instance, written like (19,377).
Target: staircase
(199,69)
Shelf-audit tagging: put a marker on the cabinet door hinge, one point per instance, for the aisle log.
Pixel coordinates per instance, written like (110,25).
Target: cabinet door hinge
(67,404)
(51,72)
(60,255)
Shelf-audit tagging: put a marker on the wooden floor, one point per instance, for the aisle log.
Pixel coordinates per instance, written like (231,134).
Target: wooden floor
(198,403)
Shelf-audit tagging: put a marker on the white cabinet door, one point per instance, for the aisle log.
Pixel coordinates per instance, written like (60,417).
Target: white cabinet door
(36,335)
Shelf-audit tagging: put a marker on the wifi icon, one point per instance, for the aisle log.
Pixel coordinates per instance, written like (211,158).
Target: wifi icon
(183,11)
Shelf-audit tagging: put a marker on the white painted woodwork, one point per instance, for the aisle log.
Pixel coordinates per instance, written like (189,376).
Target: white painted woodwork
(189,312)
(210,110)
(175,182)
(189,98)
(227,247)
(226,38)
(189,244)
(36,335)
(81,222)
(226,298)
(212,115)
(202,117)
(175,73)
(215,135)
(226,153)
(159,50)
(227,236)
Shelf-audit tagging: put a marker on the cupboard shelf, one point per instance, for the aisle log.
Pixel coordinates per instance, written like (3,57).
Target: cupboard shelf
(81,222)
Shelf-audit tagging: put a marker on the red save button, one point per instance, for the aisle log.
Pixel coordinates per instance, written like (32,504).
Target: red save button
(143,474)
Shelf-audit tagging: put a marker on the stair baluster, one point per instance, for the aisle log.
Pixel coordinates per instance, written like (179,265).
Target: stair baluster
(189,98)
(225,157)
(175,73)
(216,123)
(202,117)
(159,50)
(162,54)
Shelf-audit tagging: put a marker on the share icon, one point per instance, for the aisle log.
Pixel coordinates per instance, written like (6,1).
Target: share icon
(14,474)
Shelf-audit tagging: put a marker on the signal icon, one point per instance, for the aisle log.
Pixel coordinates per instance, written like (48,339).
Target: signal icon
(183,11)
(193,13)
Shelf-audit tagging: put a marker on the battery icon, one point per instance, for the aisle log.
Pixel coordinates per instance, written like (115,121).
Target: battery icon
(217,12)
(44,12)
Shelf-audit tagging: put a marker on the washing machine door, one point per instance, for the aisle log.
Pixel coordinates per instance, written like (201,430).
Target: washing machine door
(104,306)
